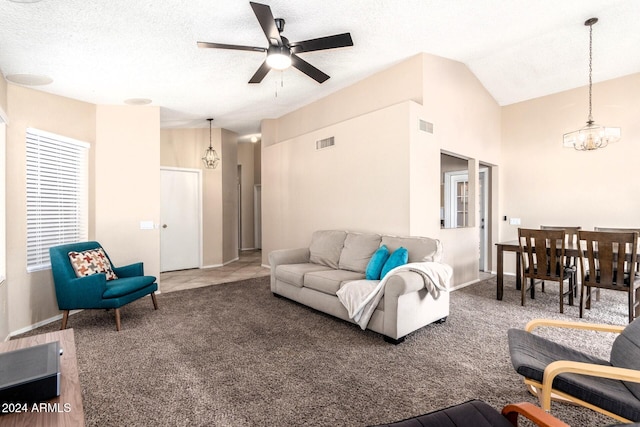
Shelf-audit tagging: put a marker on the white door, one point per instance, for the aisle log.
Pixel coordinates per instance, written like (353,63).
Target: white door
(179,219)
(483,226)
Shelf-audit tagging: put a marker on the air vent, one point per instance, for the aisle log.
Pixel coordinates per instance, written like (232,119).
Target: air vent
(425,126)
(325,143)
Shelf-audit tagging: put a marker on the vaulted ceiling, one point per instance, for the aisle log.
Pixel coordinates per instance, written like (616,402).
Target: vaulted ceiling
(108,51)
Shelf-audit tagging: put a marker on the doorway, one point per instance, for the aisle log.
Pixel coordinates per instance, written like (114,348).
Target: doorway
(180,219)
(483,215)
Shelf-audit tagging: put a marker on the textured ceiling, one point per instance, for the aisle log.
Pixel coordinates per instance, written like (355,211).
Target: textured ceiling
(106,51)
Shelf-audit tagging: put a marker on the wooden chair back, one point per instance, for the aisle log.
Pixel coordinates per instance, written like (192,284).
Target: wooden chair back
(605,262)
(538,262)
(570,232)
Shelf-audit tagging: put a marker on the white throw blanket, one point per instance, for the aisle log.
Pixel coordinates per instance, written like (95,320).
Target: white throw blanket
(361,297)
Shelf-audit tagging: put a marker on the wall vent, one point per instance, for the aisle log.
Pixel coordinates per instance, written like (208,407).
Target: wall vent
(325,143)
(425,126)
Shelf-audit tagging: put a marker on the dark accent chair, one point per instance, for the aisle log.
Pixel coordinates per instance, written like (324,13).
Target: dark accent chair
(553,370)
(610,262)
(94,291)
(541,263)
(477,413)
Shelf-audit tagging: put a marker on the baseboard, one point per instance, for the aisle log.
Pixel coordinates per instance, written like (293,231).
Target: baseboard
(265,266)
(41,323)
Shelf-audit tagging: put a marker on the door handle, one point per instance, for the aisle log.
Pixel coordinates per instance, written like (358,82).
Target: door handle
(164,225)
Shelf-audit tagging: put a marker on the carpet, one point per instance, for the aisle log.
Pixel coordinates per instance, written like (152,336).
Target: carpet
(235,355)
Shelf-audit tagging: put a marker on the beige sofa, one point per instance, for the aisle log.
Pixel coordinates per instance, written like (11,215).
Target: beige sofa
(312,276)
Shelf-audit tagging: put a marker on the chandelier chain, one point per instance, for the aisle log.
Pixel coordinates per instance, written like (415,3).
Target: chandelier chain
(590,119)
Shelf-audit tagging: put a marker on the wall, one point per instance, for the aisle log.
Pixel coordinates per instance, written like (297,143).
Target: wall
(402,82)
(184,148)
(127,184)
(31,297)
(544,183)
(4,294)
(384,174)
(229,171)
(467,122)
(246,154)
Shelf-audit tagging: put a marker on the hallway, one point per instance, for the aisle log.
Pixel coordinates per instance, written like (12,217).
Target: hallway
(246,267)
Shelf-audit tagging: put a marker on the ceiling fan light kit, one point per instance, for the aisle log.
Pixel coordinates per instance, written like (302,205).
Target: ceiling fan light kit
(592,136)
(282,54)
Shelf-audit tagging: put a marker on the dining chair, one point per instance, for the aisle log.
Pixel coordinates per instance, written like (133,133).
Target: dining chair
(610,262)
(571,237)
(543,258)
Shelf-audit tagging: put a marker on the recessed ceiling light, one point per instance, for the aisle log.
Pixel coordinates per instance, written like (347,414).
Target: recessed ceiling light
(29,79)
(137,101)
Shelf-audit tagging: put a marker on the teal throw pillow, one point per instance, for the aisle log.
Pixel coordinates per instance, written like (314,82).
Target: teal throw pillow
(376,263)
(399,257)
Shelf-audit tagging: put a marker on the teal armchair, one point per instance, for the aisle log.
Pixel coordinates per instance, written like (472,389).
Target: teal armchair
(95,291)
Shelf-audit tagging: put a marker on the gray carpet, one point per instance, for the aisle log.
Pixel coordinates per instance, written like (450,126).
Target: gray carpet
(235,355)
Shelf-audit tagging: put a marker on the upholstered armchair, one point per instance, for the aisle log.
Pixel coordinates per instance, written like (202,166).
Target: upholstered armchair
(557,371)
(85,278)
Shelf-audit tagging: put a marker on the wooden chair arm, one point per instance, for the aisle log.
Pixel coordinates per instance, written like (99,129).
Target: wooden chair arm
(565,366)
(531,412)
(600,327)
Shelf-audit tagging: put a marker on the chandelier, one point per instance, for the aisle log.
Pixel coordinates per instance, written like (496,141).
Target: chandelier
(211,158)
(593,135)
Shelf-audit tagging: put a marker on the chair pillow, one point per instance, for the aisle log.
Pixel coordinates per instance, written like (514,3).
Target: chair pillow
(399,257)
(90,262)
(377,261)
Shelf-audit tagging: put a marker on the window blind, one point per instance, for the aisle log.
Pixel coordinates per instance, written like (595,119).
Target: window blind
(56,194)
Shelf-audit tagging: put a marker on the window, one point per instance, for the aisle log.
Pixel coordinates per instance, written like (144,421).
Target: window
(56,194)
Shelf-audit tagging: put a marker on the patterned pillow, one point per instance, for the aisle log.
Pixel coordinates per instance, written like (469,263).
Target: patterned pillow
(91,262)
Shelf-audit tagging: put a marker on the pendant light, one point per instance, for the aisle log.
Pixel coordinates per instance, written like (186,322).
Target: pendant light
(592,136)
(210,158)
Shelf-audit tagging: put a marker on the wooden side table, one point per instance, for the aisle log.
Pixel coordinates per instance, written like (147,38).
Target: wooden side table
(64,410)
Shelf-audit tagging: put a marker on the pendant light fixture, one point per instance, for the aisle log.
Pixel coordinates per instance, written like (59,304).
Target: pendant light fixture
(592,136)
(210,158)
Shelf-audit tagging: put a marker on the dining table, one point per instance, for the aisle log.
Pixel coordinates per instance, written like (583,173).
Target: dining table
(572,249)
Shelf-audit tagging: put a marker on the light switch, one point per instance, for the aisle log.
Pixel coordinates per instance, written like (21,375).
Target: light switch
(146,225)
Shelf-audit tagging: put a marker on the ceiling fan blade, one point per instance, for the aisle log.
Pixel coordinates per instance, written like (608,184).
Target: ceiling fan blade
(259,75)
(308,69)
(231,46)
(267,22)
(322,43)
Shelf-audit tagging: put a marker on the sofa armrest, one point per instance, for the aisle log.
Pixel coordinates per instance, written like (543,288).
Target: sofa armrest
(81,292)
(403,282)
(288,256)
(131,270)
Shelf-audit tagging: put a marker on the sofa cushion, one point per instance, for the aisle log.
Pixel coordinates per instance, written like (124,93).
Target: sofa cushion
(374,267)
(127,285)
(294,273)
(329,281)
(420,248)
(91,261)
(357,251)
(326,246)
(396,259)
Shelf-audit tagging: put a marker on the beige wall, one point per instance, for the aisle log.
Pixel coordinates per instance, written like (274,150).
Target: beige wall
(467,122)
(402,82)
(246,155)
(384,174)
(184,148)
(31,296)
(229,196)
(127,184)
(544,183)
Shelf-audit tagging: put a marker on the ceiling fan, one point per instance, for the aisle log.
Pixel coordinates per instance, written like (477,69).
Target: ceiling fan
(281,53)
